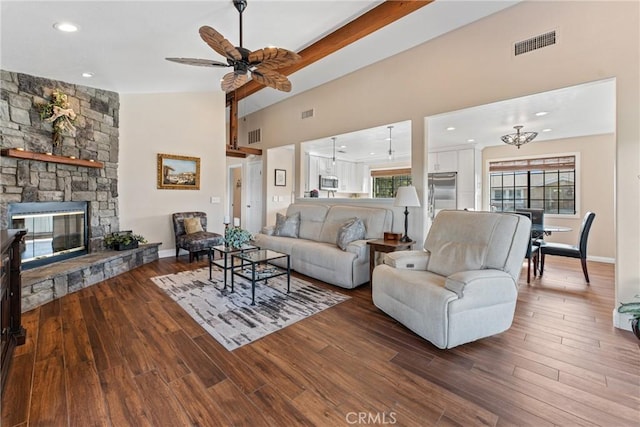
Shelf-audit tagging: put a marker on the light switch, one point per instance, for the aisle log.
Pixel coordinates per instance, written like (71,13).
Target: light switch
(215,199)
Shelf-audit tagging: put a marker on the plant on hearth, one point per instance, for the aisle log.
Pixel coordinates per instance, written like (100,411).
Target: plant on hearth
(632,309)
(236,237)
(123,240)
(58,112)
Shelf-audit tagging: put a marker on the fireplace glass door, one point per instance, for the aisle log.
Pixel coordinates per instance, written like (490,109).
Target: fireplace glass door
(50,235)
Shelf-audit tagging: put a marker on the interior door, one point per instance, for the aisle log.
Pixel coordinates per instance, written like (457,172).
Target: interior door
(253,196)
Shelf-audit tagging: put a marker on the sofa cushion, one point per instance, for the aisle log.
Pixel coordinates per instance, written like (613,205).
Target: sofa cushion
(192,225)
(287,226)
(376,221)
(311,219)
(350,231)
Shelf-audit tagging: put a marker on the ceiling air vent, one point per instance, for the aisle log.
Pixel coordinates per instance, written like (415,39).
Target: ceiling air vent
(537,42)
(307,114)
(255,136)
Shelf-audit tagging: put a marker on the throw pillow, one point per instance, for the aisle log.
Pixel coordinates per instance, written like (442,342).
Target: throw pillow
(287,226)
(350,231)
(192,225)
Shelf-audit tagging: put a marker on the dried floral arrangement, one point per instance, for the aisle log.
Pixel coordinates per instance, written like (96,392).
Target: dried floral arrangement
(58,112)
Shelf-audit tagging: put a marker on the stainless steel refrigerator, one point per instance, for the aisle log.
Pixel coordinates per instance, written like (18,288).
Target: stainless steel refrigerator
(442,192)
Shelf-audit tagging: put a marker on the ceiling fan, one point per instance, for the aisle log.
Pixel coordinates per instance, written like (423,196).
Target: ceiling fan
(262,63)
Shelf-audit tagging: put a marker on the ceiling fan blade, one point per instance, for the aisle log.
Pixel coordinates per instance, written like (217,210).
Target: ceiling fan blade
(217,42)
(271,78)
(198,62)
(232,81)
(273,57)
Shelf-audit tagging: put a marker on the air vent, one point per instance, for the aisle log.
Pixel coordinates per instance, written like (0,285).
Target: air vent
(255,136)
(307,114)
(537,42)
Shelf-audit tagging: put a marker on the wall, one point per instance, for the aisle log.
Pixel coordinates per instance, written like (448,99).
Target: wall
(596,153)
(96,138)
(188,124)
(278,198)
(473,66)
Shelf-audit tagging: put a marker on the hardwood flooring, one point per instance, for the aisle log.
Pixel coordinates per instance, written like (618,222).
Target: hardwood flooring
(121,353)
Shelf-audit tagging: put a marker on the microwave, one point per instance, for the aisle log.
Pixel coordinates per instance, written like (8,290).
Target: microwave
(328,183)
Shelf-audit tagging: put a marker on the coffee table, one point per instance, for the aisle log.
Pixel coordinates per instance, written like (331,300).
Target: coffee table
(260,266)
(225,264)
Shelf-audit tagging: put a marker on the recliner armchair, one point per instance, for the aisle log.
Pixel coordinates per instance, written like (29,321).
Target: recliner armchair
(464,285)
(194,242)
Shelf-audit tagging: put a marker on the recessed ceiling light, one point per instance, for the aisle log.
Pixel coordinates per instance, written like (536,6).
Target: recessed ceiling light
(66,27)
(547,130)
(451,128)
(542,113)
(343,146)
(372,154)
(471,140)
(87,75)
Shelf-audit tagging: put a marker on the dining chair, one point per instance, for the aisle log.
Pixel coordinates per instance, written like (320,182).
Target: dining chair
(537,221)
(571,251)
(533,250)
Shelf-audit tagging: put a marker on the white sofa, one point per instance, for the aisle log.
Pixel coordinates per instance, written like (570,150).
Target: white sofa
(315,253)
(464,285)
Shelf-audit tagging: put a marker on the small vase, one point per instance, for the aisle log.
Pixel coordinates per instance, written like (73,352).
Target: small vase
(635,327)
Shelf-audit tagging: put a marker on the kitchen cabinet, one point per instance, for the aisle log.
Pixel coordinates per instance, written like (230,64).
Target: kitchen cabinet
(443,161)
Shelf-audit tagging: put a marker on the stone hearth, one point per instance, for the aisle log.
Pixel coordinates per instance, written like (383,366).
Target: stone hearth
(43,284)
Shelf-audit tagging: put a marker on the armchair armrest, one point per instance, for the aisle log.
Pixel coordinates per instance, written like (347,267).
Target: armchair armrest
(407,260)
(472,279)
(268,230)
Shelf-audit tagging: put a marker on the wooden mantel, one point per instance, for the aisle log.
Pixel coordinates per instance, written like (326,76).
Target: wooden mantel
(30,155)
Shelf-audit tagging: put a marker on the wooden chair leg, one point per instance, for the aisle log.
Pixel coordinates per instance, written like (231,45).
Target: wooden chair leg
(190,256)
(177,251)
(584,270)
(541,264)
(528,269)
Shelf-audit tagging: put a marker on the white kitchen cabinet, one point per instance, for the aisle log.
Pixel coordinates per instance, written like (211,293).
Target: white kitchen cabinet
(443,161)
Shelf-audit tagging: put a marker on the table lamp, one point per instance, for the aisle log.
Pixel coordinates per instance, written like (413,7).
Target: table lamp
(407,197)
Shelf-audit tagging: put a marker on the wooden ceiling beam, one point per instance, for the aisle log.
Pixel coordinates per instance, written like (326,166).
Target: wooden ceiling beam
(371,21)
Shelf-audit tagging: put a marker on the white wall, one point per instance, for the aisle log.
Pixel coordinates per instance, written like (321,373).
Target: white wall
(188,124)
(278,198)
(474,66)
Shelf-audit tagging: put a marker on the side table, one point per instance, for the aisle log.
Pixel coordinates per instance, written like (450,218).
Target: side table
(384,246)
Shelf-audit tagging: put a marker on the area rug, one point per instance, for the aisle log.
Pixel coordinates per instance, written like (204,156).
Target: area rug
(230,318)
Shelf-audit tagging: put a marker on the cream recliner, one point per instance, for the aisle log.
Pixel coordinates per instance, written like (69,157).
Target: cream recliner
(464,285)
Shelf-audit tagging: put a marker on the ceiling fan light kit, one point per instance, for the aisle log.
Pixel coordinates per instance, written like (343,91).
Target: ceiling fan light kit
(518,138)
(261,63)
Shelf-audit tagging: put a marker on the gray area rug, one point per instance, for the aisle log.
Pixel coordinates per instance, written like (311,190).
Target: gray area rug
(230,318)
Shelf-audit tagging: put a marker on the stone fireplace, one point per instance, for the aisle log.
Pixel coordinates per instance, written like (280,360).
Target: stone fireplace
(35,181)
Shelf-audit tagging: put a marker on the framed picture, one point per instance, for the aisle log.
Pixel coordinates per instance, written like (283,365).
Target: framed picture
(178,172)
(281,178)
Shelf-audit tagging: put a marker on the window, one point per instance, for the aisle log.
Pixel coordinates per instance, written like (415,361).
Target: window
(387,181)
(544,183)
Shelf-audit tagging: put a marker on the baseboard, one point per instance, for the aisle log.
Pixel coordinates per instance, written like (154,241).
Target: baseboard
(166,253)
(602,259)
(621,320)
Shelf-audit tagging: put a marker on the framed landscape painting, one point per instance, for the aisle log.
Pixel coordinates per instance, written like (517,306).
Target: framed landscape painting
(280,178)
(178,172)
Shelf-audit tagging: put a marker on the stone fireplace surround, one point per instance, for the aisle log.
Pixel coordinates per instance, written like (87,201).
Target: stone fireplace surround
(40,181)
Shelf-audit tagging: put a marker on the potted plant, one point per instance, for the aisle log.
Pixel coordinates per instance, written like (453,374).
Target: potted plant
(633,309)
(123,240)
(236,237)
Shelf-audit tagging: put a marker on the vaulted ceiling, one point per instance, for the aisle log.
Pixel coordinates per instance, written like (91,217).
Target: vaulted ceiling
(124,43)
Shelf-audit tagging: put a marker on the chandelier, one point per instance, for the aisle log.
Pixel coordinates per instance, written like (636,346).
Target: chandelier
(518,138)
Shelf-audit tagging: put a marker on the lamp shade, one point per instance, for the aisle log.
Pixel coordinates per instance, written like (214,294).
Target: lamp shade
(407,196)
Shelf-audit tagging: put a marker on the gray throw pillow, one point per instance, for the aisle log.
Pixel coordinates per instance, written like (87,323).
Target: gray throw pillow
(350,231)
(287,226)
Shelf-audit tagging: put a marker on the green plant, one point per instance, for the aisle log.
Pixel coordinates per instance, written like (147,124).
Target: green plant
(123,238)
(631,308)
(236,236)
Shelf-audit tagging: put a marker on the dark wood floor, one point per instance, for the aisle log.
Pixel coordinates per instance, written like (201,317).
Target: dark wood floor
(121,353)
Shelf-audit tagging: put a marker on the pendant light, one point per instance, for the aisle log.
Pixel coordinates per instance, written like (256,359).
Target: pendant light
(334,150)
(390,150)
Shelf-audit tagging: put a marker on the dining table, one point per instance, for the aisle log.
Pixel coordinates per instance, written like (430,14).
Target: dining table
(548,229)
